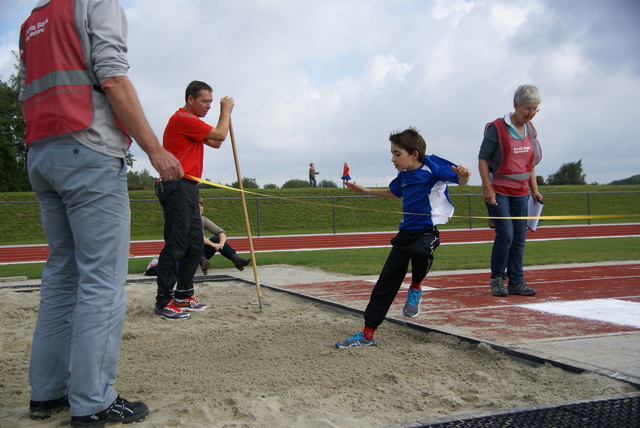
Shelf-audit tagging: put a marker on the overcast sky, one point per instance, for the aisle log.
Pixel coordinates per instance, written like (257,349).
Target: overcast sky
(327,81)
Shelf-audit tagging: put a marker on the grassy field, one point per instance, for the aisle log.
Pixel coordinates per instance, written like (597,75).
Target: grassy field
(300,211)
(447,257)
(303,211)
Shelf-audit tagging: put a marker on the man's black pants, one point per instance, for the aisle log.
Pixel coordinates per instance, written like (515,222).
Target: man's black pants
(183,239)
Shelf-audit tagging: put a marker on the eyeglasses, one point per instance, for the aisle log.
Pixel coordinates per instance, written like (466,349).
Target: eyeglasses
(531,109)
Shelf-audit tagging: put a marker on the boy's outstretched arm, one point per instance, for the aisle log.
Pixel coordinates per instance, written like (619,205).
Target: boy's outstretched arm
(462,173)
(361,190)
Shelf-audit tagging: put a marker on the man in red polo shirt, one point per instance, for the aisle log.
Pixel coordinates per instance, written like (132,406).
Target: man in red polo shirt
(185,136)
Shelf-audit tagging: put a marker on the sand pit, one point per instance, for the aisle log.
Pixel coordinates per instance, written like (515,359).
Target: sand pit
(236,366)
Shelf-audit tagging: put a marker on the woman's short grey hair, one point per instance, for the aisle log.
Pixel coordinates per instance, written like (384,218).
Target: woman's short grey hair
(526,95)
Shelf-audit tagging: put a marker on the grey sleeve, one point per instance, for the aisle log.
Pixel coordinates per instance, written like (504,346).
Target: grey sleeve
(107,29)
(211,227)
(490,148)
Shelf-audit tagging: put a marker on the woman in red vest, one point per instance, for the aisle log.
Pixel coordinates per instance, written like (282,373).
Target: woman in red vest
(507,159)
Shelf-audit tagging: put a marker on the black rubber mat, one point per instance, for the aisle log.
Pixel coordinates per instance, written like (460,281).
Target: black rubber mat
(621,412)
(204,278)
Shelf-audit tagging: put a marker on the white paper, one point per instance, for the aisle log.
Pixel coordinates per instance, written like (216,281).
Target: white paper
(534,209)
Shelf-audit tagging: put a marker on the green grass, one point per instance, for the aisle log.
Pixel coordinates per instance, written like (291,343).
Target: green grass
(447,257)
(464,256)
(308,214)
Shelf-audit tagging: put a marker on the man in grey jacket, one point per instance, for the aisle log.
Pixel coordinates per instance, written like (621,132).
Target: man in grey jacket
(80,107)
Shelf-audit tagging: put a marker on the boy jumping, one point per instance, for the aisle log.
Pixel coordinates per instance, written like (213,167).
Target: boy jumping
(422,185)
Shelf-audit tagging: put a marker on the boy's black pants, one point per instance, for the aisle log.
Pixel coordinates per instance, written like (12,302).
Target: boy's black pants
(416,246)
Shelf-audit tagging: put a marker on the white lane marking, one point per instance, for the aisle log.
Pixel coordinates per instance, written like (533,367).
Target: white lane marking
(621,312)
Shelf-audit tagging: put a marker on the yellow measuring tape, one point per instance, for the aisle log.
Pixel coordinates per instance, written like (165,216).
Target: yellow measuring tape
(544,217)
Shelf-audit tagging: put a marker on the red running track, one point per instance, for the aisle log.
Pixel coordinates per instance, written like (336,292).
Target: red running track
(462,304)
(39,253)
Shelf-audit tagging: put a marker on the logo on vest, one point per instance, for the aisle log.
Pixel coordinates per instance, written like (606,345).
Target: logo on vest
(63,90)
(34,30)
(525,149)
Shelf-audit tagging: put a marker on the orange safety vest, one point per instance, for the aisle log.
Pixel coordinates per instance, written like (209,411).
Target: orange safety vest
(58,86)
(518,159)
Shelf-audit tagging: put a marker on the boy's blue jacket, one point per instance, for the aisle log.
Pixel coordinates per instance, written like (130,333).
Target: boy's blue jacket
(424,193)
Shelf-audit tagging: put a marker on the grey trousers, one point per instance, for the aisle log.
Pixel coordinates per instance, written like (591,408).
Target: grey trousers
(85,214)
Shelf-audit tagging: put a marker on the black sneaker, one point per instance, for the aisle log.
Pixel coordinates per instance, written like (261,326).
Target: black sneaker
(120,410)
(522,289)
(497,287)
(44,409)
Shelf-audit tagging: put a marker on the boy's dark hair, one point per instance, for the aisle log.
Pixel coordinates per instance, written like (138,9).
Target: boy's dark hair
(194,89)
(411,141)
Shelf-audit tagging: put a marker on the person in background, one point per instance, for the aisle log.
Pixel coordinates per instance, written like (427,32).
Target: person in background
(508,156)
(421,181)
(80,108)
(186,135)
(345,174)
(312,175)
(217,243)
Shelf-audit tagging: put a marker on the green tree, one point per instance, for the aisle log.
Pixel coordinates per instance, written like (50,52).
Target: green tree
(130,159)
(270,186)
(140,180)
(634,179)
(569,173)
(247,183)
(328,183)
(13,159)
(295,183)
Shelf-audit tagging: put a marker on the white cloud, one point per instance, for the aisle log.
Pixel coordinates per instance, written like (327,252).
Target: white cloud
(327,82)
(452,10)
(385,69)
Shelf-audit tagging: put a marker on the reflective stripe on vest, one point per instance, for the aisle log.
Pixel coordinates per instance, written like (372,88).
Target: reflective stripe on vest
(58,85)
(63,78)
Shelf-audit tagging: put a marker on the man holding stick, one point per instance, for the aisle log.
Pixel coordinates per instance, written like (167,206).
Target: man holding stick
(185,136)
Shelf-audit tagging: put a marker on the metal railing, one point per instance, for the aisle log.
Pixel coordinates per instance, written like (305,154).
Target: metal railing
(582,203)
(328,213)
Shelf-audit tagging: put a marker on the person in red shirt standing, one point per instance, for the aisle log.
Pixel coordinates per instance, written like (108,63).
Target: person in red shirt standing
(185,136)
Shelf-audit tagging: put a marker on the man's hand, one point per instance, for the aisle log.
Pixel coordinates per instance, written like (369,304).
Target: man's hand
(226,105)
(166,164)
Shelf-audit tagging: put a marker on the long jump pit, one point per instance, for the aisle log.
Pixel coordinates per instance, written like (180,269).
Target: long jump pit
(469,359)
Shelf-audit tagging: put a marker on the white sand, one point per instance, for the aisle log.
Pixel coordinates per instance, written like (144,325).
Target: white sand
(236,366)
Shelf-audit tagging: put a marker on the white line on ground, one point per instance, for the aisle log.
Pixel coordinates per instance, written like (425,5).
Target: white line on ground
(617,311)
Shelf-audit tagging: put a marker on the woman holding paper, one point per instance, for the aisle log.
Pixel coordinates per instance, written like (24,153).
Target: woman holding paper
(507,159)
